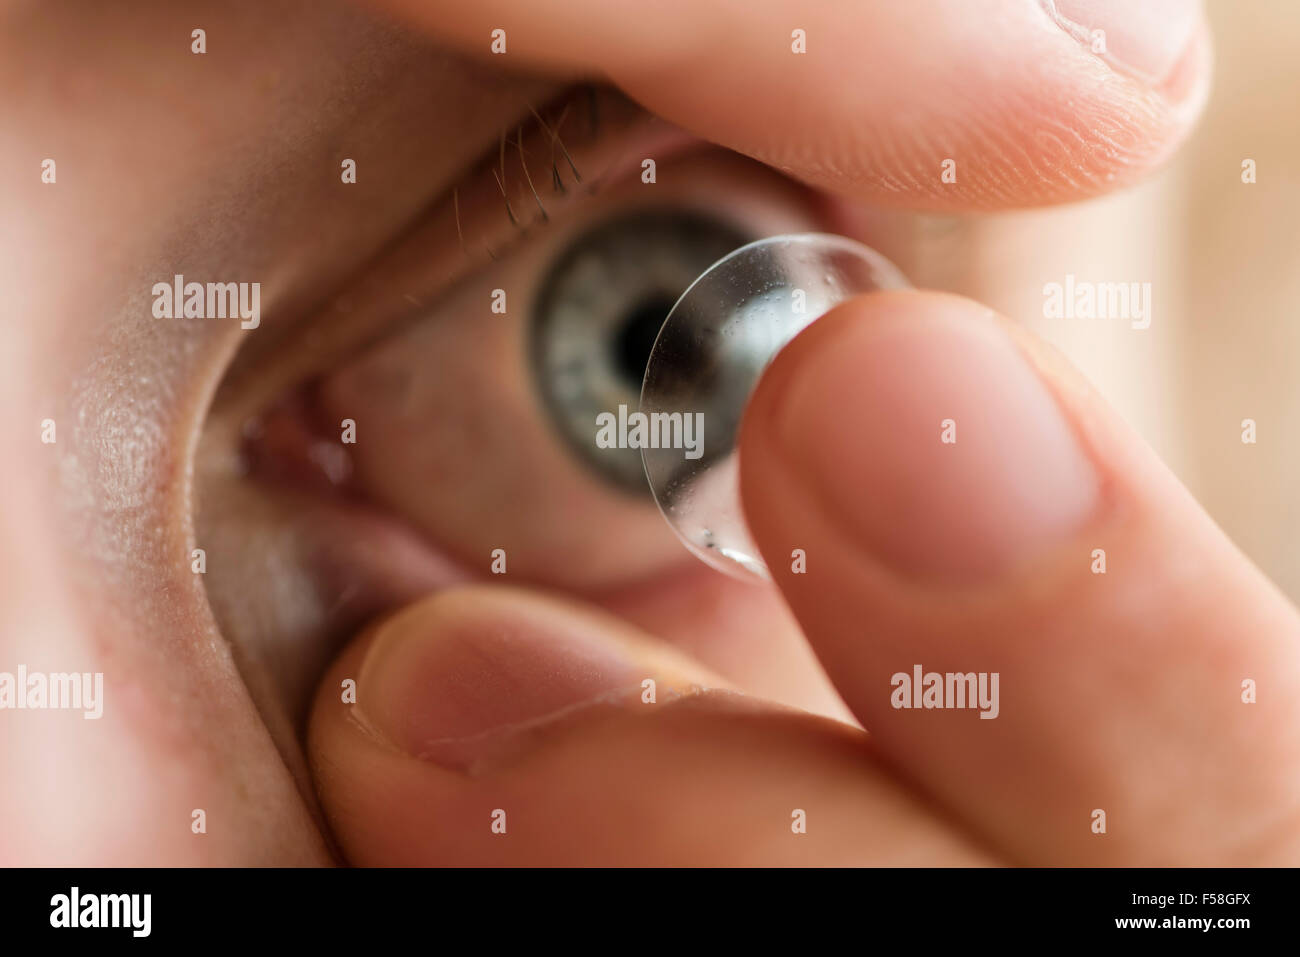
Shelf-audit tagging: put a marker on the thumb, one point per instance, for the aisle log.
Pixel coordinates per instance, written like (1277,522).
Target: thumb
(493,725)
(967,508)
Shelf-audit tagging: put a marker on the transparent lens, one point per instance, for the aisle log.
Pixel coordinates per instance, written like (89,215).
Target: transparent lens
(706,361)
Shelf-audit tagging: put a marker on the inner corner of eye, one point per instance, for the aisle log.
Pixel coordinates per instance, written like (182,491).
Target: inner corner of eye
(600,305)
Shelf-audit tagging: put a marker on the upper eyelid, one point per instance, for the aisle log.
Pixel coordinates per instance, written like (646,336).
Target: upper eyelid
(404,280)
(474,214)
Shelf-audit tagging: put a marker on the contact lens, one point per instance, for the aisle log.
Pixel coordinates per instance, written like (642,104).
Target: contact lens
(707,359)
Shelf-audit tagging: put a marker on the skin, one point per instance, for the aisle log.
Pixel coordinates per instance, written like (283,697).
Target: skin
(223,692)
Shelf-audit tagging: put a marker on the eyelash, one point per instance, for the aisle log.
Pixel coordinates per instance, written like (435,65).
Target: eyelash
(588,93)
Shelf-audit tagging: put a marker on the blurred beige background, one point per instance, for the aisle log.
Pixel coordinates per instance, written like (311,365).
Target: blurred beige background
(1223,258)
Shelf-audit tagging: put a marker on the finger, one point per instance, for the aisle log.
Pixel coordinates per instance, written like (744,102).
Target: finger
(956,491)
(924,103)
(492,726)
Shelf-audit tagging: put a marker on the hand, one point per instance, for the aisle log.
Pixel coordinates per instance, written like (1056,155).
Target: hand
(1045,548)
(226,168)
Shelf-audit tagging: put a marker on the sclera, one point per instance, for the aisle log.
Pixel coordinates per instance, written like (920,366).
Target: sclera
(707,359)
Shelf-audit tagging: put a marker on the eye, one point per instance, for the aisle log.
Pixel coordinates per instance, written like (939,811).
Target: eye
(600,307)
(432,417)
(476,423)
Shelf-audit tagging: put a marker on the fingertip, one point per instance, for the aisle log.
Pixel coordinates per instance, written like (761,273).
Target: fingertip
(916,105)
(922,430)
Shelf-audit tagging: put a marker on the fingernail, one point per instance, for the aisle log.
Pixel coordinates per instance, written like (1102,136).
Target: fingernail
(456,678)
(921,426)
(1145,37)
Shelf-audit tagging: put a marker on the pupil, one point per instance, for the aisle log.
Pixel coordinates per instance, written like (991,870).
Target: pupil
(636,336)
